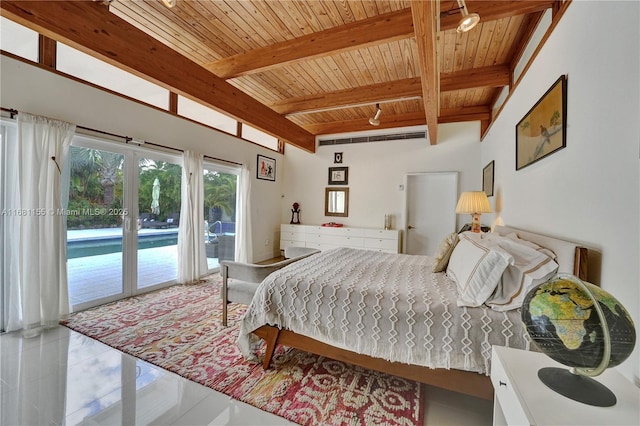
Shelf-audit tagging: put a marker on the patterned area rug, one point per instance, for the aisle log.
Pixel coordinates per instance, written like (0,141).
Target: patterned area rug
(179,329)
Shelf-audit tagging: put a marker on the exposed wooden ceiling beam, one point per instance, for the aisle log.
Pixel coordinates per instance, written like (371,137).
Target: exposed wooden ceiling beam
(492,10)
(410,88)
(494,76)
(382,28)
(365,95)
(425,16)
(452,115)
(457,115)
(90,27)
(362,124)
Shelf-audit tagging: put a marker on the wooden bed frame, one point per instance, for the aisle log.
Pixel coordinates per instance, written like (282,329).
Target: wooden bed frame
(466,382)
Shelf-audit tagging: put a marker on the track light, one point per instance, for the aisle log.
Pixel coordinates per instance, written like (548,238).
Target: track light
(374,121)
(469,20)
(169,3)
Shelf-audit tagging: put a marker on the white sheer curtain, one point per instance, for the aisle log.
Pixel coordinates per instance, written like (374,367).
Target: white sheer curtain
(244,246)
(35,232)
(192,259)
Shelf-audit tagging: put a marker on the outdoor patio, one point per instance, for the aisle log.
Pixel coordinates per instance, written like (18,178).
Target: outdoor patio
(98,276)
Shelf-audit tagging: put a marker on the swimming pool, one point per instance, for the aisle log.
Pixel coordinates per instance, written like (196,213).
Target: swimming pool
(105,245)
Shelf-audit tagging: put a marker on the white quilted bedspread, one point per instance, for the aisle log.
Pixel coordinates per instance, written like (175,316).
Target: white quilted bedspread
(383,305)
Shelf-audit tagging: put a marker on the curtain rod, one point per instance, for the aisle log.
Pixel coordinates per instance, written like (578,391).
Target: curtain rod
(128,139)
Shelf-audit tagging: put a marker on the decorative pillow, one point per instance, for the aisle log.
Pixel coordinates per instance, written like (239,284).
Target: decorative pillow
(533,245)
(476,269)
(443,253)
(530,267)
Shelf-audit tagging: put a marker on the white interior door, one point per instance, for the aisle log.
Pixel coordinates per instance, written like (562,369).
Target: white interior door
(431,200)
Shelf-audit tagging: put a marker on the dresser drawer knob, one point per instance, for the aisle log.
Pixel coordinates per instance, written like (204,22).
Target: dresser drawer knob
(501,383)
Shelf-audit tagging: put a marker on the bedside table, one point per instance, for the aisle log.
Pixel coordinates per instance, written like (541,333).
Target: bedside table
(522,399)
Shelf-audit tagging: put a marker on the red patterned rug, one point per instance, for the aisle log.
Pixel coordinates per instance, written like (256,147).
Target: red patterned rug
(179,329)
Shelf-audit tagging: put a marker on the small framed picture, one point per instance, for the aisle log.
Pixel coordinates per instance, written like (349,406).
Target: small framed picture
(338,175)
(266,168)
(337,157)
(487,179)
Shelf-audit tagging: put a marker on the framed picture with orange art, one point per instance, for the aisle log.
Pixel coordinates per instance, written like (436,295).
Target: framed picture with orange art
(543,130)
(266,169)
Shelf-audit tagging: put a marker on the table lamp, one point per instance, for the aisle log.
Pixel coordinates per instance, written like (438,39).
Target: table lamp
(474,203)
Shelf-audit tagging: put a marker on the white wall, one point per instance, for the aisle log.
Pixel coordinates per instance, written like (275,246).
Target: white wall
(31,89)
(588,191)
(376,170)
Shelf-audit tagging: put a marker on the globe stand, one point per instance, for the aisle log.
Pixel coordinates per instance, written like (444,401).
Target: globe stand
(577,387)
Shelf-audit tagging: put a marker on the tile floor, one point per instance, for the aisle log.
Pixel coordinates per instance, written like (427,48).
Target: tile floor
(64,378)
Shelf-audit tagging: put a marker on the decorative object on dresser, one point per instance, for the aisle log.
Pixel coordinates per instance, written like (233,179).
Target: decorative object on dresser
(487,179)
(390,312)
(295,214)
(521,399)
(338,176)
(542,131)
(474,203)
(331,235)
(582,326)
(266,169)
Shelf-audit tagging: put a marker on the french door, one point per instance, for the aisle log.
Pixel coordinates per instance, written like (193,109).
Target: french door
(122,221)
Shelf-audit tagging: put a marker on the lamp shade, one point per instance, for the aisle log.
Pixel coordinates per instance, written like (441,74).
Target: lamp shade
(473,202)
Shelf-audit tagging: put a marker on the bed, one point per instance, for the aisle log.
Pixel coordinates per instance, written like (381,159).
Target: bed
(390,313)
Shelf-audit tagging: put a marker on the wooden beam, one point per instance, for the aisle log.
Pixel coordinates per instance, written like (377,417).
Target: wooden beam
(457,115)
(492,10)
(527,34)
(173,102)
(383,28)
(89,26)
(452,115)
(494,76)
(362,124)
(366,95)
(410,88)
(425,15)
(47,51)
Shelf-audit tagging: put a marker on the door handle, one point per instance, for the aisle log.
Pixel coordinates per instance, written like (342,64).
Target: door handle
(410,227)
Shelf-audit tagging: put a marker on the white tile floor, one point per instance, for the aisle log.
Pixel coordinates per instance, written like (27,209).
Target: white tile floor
(64,378)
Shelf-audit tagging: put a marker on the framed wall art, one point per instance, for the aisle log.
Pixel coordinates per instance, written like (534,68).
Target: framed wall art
(487,179)
(543,130)
(266,168)
(338,175)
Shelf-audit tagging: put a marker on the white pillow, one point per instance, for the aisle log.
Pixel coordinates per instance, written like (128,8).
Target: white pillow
(533,245)
(530,267)
(476,269)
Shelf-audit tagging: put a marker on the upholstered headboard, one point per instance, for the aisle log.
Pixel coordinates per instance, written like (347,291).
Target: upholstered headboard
(571,258)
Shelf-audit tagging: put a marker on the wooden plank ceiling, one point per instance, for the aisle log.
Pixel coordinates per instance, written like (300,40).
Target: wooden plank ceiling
(323,65)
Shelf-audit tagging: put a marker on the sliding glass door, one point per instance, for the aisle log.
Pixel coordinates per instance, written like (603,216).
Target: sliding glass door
(158,220)
(220,195)
(95,215)
(122,221)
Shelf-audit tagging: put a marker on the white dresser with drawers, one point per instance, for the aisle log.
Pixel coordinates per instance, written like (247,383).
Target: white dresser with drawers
(327,237)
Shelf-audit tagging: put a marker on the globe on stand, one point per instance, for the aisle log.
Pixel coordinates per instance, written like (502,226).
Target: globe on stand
(582,326)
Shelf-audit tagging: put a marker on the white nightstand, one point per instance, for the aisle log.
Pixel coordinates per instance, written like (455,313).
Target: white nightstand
(522,399)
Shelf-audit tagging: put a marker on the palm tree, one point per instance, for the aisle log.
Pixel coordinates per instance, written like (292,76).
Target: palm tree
(220,193)
(107,164)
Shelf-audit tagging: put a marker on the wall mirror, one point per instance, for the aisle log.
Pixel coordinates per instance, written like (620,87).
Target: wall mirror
(336,202)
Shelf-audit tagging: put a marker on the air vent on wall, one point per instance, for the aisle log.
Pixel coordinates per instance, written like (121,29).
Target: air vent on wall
(374,138)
